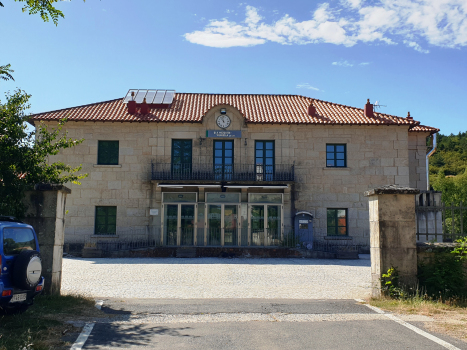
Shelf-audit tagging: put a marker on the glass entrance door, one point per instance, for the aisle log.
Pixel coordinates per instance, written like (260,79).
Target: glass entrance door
(274,224)
(171,224)
(266,225)
(257,225)
(214,224)
(230,225)
(187,224)
(179,224)
(222,220)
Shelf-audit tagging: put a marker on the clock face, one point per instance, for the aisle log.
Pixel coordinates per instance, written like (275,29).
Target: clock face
(223,121)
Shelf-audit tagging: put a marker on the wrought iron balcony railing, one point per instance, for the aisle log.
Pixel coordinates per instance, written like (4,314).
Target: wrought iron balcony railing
(215,172)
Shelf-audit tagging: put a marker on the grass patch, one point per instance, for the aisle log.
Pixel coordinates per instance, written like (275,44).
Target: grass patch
(43,324)
(419,305)
(449,316)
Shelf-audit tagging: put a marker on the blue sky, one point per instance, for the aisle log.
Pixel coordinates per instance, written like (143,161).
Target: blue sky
(407,55)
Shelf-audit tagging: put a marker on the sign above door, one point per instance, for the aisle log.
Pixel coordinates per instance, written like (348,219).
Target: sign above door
(224,133)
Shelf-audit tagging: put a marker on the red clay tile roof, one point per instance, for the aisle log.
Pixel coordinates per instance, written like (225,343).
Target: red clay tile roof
(424,128)
(191,107)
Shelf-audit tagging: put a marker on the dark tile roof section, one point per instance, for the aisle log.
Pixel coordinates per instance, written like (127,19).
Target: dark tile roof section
(191,107)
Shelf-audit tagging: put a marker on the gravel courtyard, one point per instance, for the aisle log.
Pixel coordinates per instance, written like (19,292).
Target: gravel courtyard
(217,278)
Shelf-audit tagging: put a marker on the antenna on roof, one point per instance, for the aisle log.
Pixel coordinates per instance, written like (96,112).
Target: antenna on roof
(376,105)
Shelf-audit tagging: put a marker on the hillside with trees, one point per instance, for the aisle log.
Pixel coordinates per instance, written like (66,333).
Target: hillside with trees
(451,155)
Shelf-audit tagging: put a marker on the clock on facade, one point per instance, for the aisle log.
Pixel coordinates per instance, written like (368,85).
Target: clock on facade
(223,121)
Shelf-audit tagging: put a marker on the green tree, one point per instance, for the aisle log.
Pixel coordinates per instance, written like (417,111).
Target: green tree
(5,72)
(454,192)
(25,155)
(44,7)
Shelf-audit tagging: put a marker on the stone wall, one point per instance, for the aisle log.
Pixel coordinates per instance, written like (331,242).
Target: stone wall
(417,159)
(376,156)
(45,211)
(427,251)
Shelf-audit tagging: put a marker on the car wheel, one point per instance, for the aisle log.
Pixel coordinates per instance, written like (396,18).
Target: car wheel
(27,269)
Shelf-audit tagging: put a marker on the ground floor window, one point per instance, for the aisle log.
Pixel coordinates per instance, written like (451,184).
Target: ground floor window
(337,222)
(106,221)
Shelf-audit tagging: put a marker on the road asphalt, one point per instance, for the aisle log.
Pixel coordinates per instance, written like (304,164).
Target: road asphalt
(255,324)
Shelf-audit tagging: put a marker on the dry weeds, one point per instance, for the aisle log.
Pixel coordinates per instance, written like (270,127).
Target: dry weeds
(449,319)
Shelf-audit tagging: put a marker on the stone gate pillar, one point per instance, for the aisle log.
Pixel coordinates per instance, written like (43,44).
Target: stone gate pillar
(392,234)
(46,213)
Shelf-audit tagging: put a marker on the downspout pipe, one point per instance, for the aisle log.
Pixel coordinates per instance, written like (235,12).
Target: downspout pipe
(428,155)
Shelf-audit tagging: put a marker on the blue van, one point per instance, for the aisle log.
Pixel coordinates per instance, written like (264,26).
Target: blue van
(21,265)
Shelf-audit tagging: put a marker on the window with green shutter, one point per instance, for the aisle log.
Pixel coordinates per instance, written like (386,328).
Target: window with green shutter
(107,152)
(337,222)
(106,221)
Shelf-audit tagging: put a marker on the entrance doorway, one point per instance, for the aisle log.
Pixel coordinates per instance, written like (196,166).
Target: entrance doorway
(265,214)
(222,224)
(266,224)
(179,219)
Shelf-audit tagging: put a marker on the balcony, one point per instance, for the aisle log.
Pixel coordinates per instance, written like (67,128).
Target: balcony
(202,173)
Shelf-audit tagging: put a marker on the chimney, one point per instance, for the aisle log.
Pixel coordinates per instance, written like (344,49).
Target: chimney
(144,107)
(132,104)
(311,109)
(368,110)
(408,116)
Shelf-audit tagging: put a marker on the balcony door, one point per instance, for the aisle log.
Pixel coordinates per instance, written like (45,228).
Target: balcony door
(181,159)
(223,160)
(264,160)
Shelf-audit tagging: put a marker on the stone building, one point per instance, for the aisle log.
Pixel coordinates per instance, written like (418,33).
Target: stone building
(233,170)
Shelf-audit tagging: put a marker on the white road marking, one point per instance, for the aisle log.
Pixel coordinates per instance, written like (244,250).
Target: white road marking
(411,327)
(99,304)
(79,343)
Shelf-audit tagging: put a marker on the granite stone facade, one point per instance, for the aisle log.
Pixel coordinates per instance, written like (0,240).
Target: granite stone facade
(377,155)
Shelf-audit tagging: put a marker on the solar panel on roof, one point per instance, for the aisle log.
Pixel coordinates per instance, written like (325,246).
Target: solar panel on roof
(128,95)
(150,96)
(169,96)
(159,96)
(140,96)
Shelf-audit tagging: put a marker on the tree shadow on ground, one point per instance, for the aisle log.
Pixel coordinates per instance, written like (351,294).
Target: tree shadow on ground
(124,335)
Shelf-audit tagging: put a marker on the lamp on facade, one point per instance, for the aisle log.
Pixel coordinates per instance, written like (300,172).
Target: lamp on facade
(245,141)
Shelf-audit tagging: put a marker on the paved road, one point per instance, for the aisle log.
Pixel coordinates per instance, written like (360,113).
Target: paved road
(253,324)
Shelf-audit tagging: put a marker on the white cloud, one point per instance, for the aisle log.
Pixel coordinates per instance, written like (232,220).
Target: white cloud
(364,64)
(415,46)
(342,64)
(306,86)
(412,22)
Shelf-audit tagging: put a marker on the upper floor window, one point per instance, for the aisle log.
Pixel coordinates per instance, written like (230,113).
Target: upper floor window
(336,155)
(337,222)
(264,160)
(107,152)
(181,151)
(181,158)
(223,159)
